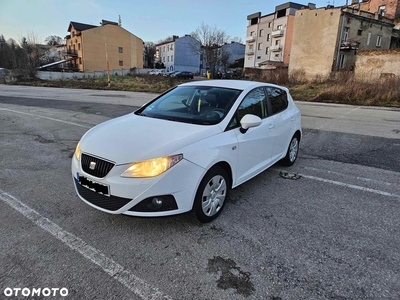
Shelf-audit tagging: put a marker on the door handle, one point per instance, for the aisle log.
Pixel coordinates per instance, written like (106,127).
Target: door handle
(271,126)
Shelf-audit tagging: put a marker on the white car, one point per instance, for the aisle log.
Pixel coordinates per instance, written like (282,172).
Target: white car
(187,148)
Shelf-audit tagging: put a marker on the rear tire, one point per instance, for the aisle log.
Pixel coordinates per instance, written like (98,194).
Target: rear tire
(292,152)
(212,194)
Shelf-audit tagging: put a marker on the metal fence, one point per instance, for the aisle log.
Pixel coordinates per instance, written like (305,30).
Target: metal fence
(50,75)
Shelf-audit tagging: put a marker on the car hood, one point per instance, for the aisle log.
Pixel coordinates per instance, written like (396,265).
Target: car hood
(133,138)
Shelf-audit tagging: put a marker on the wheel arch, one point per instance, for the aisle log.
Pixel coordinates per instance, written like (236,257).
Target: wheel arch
(224,165)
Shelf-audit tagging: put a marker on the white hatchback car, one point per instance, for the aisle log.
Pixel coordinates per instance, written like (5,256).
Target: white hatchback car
(187,148)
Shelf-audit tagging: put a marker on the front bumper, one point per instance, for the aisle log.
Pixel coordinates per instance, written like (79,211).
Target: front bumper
(177,186)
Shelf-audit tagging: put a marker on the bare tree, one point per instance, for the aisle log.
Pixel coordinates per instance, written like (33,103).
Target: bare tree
(211,39)
(53,40)
(150,51)
(31,59)
(167,39)
(224,57)
(23,58)
(237,39)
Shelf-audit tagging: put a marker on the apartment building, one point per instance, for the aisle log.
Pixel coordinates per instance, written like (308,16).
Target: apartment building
(234,51)
(95,48)
(334,35)
(179,54)
(387,8)
(269,37)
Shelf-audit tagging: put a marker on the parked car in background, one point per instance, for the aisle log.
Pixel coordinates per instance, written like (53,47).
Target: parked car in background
(168,74)
(183,74)
(187,148)
(157,72)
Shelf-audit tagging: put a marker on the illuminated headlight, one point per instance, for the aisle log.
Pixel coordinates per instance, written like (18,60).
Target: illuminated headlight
(152,167)
(78,151)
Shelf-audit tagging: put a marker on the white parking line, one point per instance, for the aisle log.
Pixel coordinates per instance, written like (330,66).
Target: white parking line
(48,118)
(139,287)
(352,186)
(357,177)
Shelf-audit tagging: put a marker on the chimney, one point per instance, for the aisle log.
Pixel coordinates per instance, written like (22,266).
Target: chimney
(311,5)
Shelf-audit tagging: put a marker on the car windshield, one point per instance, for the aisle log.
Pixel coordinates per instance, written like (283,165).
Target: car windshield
(203,105)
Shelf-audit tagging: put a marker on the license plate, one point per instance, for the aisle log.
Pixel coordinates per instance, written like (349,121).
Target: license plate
(93,186)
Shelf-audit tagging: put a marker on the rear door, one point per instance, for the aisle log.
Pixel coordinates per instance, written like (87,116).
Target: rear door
(282,117)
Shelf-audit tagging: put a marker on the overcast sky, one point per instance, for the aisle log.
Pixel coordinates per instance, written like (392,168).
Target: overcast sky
(149,20)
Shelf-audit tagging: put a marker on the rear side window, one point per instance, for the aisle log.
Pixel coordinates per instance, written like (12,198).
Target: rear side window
(278,99)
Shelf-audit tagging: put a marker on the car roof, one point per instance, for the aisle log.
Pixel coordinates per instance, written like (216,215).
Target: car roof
(233,84)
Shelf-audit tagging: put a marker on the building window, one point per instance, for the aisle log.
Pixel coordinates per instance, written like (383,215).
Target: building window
(268,37)
(120,50)
(382,10)
(172,58)
(261,32)
(171,48)
(259,46)
(121,63)
(79,46)
(163,49)
(359,32)
(277,42)
(279,27)
(80,60)
(252,33)
(266,50)
(379,41)
(369,38)
(345,35)
(269,25)
(168,59)
(168,48)
(251,47)
(277,55)
(341,61)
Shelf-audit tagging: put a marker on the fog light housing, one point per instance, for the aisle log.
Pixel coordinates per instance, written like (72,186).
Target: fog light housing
(156,204)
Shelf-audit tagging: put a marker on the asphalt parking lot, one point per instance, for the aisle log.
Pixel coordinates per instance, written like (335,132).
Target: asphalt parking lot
(331,234)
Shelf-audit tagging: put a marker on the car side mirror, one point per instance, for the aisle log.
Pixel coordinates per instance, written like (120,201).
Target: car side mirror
(249,121)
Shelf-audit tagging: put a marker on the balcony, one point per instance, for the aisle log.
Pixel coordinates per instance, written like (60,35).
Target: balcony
(277,33)
(250,38)
(72,53)
(275,48)
(250,52)
(349,45)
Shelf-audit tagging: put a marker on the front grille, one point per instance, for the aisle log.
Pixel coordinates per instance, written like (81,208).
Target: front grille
(111,203)
(101,168)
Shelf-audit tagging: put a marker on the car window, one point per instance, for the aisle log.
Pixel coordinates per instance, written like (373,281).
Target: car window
(253,103)
(278,99)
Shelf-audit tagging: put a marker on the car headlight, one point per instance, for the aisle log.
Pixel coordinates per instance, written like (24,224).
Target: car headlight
(152,167)
(78,151)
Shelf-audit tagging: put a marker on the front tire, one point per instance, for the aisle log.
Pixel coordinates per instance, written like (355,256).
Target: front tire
(292,152)
(212,194)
